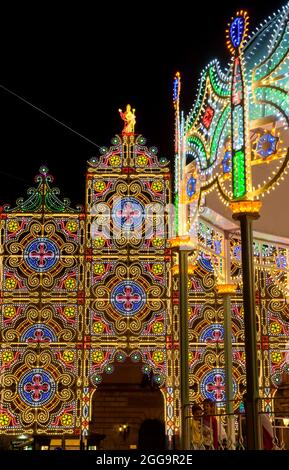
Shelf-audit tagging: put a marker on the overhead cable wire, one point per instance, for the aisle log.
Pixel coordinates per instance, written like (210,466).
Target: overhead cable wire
(49,115)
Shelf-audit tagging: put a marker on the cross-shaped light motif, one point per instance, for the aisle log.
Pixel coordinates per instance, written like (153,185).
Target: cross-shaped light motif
(217,387)
(128,214)
(41,254)
(128,298)
(216,335)
(36,387)
(38,337)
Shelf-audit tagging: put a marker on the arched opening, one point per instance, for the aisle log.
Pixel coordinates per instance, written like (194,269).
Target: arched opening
(122,402)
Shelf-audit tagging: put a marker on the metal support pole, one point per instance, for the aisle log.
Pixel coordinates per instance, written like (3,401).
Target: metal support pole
(229,369)
(184,349)
(252,402)
(226,289)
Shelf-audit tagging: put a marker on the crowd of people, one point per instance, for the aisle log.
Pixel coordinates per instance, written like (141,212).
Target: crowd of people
(208,431)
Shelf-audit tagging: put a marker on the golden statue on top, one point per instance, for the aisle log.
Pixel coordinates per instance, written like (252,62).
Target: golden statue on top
(129,120)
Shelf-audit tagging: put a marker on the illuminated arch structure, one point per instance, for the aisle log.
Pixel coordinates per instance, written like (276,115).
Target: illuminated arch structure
(82,289)
(42,312)
(254,86)
(128,277)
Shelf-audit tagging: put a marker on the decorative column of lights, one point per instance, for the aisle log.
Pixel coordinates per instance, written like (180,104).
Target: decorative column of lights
(184,245)
(241,155)
(251,96)
(244,210)
(176,101)
(226,288)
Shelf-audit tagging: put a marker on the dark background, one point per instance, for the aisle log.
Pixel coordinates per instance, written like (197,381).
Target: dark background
(80,64)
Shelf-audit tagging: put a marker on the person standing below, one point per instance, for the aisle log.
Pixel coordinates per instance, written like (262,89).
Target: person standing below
(267,431)
(266,428)
(210,425)
(196,428)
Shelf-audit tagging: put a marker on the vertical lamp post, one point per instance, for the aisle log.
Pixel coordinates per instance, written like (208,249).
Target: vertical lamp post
(246,212)
(244,209)
(226,289)
(184,245)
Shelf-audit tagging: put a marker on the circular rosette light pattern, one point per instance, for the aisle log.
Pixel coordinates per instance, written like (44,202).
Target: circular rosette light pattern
(36,387)
(41,254)
(213,385)
(128,298)
(128,214)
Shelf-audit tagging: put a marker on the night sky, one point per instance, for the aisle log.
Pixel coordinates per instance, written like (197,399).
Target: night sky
(80,65)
